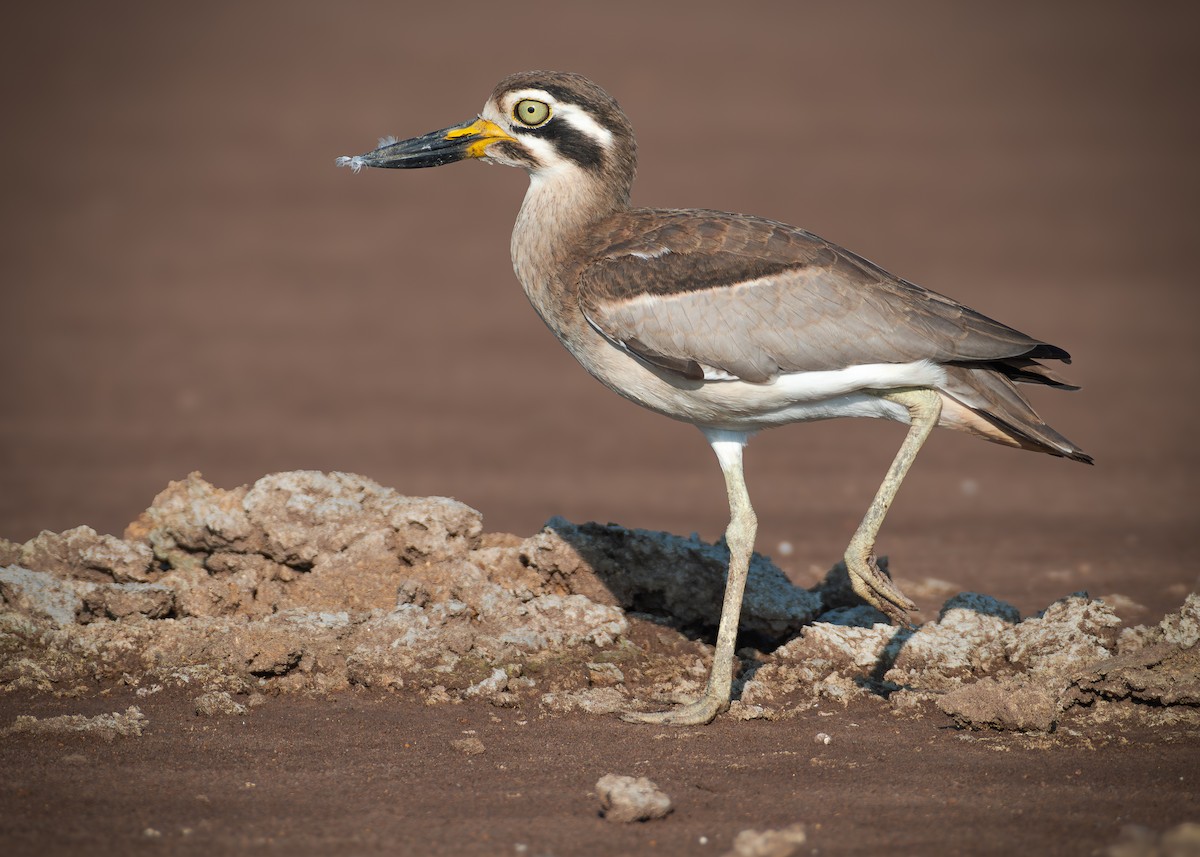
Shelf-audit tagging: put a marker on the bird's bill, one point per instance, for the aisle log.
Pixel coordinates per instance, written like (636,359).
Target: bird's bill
(456,143)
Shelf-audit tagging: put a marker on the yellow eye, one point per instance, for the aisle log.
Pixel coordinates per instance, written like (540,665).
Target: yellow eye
(530,112)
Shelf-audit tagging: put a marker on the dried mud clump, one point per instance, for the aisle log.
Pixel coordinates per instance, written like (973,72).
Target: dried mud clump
(769,843)
(326,581)
(217,703)
(1183,840)
(1008,703)
(625,799)
(105,727)
(1157,666)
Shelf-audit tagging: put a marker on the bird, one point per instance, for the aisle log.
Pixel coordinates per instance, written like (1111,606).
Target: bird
(731,322)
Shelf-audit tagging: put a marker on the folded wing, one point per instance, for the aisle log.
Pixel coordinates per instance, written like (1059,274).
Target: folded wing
(700,292)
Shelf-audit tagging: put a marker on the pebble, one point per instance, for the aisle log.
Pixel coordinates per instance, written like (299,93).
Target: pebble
(626,799)
(768,843)
(470,746)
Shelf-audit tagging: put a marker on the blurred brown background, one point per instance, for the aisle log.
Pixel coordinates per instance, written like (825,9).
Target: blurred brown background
(187,282)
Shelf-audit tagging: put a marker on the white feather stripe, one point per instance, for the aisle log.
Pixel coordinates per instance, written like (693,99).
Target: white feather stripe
(650,254)
(584,122)
(802,396)
(812,386)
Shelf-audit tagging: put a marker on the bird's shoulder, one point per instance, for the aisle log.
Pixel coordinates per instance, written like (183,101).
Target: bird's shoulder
(664,252)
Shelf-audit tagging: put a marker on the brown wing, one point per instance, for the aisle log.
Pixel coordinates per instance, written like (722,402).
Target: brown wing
(690,290)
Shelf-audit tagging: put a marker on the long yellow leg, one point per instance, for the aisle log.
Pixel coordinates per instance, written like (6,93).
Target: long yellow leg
(739,535)
(924,408)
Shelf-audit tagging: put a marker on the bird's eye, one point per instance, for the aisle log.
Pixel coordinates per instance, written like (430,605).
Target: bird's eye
(530,112)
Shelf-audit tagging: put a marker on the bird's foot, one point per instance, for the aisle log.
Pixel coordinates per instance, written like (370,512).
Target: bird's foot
(877,589)
(696,713)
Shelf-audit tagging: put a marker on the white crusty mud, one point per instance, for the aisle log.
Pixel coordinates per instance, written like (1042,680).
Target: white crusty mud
(216,703)
(784,842)
(321,582)
(625,799)
(106,727)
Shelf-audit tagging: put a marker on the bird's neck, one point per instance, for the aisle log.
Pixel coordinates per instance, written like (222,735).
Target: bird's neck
(559,207)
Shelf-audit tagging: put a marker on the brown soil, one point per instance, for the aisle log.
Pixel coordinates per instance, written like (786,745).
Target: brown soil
(373,774)
(188,284)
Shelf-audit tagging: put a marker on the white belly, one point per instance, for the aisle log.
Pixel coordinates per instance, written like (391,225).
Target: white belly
(737,405)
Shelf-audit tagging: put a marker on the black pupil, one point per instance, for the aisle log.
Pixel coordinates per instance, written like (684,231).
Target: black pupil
(530,109)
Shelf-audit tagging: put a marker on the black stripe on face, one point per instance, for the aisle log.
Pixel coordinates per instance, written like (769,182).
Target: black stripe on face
(514,152)
(570,142)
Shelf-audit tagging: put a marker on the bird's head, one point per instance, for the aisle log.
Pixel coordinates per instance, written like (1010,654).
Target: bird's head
(552,124)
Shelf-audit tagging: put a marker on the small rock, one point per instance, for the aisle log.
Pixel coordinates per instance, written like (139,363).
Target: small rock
(626,799)
(822,738)
(471,746)
(217,703)
(739,710)
(768,843)
(604,674)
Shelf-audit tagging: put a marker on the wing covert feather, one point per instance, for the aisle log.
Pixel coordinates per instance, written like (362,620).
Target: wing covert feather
(753,298)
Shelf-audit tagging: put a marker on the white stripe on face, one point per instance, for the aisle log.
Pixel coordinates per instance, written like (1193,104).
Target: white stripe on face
(574,116)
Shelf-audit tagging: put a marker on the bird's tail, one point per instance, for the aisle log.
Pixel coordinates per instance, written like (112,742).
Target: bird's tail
(982,399)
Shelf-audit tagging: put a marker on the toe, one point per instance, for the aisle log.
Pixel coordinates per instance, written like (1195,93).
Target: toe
(697,713)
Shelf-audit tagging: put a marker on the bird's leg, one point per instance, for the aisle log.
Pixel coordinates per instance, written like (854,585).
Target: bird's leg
(924,408)
(739,536)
